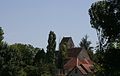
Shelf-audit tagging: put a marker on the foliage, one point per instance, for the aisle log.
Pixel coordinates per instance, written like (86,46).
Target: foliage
(62,55)
(50,55)
(112,62)
(25,60)
(51,47)
(26,53)
(1,34)
(84,43)
(40,56)
(105,18)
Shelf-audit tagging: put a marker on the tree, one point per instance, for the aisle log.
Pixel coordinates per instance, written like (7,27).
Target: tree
(6,57)
(62,55)
(17,59)
(39,62)
(84,43)
(51,47)
(105,18)
(22,59)
(40,56)
(9,57)
(50,55)
(1,34)
(26,53)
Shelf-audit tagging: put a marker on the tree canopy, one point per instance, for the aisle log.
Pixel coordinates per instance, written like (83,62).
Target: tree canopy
(84,43)
(105,19)
(51,47)
(25,60)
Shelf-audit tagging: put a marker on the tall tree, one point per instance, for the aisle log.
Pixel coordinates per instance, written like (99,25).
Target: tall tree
(51,47)
(84,43)
(1,38)
(105,18)
(50,55)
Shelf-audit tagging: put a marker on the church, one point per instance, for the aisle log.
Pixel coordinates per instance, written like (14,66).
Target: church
(77,63)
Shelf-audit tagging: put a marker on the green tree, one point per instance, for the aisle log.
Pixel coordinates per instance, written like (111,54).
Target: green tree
(50,55)
(51,47)
(62,55)
(39,62)
(26,53)
(84,43)
(1,34)
(7,58)
(17,60)
(40,56)
(23,61)
(105,18)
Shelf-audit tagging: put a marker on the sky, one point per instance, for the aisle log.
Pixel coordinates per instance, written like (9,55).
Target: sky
(30,21)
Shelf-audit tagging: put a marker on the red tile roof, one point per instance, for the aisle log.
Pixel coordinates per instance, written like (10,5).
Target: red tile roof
(86,67)
(83,65)
(71,63)
(82,70)
(74,61)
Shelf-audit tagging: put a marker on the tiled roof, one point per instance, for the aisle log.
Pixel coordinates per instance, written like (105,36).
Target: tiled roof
(74,61)
(73,52)
(89,61)
(86,67)
(83,65)
(82,70)
(71,63)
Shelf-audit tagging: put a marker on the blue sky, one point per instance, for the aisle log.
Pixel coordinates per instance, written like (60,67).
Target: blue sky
(29,21)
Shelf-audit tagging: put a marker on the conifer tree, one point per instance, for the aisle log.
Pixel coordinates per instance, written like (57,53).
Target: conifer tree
(50,55)
(51,47)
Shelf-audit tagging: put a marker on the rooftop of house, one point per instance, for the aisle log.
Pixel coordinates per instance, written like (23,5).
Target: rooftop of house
(77,57)
(73,52)
(80,69)
(84,66)
(74,61)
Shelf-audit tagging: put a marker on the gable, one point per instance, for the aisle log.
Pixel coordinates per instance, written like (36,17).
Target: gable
(83,55)
(77,71)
